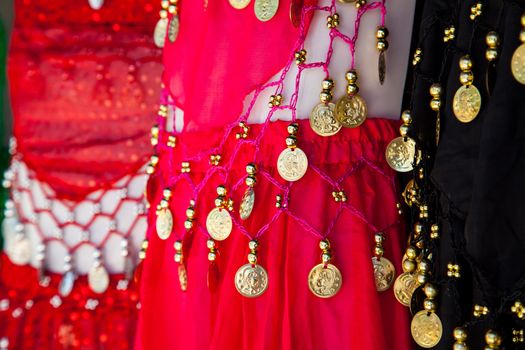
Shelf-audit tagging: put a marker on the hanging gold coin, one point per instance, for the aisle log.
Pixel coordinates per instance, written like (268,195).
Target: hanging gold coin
(517,64)
(384,273)
(292,164)
(247,203)
(219,224)
(404,286)
(239,4)
(173,29)
(164,223)
(324,281)
(351,111)
(19,251)
(98,279)
(323,121)
(400,154)
(159,34)
(265,9)
(467,103)
(183,277)
(251,281)
(426,329)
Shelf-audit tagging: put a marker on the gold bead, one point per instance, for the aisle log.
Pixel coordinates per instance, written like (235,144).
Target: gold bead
(325,96)
(429,305)
(465,63)
(177,245)
(522,35)
(523,19)
(166,193)
(253,244)
(435,104)
(421,278)
(492,39)
(379,251)
(382,45)
(459,346)
(328,84)
(351,76)
(210,244)
(430,291)
(491,54)
(406,117)
(411,253)
(424,265)
(212,256)
(403,130)
(381,33)
(409,265)
(177,257)
(188,224)
(291,141)
(252,258)
(324,244)
(492,338)
(352,89)
(251,168)
(326,257)
(460,334)
(418,228)
(466,77)
(250,180)
(221,190)
(435,90)
(293,128)
(379,237)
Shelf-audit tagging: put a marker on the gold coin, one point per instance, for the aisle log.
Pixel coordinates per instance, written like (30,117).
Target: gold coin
(292,164)
(466,103)
(404,286)
(384,273)
(251,281)
(98,279)
(322,120)
(239,4)
(159,34)
(324,281)
(265,9)
(183,277)
(351,111)
(173,29)
(517,64)
(400,154)
(247,203)
(426,329)
(164,223)
(219,224)
(19,251)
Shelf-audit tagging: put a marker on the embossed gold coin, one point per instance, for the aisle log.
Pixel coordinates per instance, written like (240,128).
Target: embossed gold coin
(292,164)
(466,103)
(426,329)
(404,286)
(159,34)
(517,64)
(323,281)
(384,273)
(322,120)
(183,277)
(400,154)
(173,29)
(19,251)
(219,224)
(247,203)
(265,9)
(239,4)
(351,111)
(164,223)
(98,279)
(251,281)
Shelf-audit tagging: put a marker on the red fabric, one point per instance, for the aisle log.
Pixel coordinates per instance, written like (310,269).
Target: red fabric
(84,87)
(221,55)
(30,321)
(287,315)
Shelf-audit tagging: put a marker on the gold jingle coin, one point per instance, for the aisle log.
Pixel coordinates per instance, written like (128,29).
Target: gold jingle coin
(400,154)
(517,64)
(384,273)
(20,251)
(239,4)
(324,281)
(98,279)
(183,277)
(159,34)
(265,9)
(247,203)
(426,329)
(292,164)
(404,286)
(351,111)
(219,224)
(466,103)
(173,29)
(323,121)
(251,280)
(164,223)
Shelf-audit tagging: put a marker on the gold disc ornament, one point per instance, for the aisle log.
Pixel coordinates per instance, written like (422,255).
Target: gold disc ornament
(466,103)
(324,281)
(173,29)
(247,203)
(323,121)
(239,4)
(517,64)
(164,223)
(351,111)
(404,286)
(400,154)
(426,329)
(265,9)
(219,224)
(384,273)
(98,278)
(159,34)
(251,280)
(292,164)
